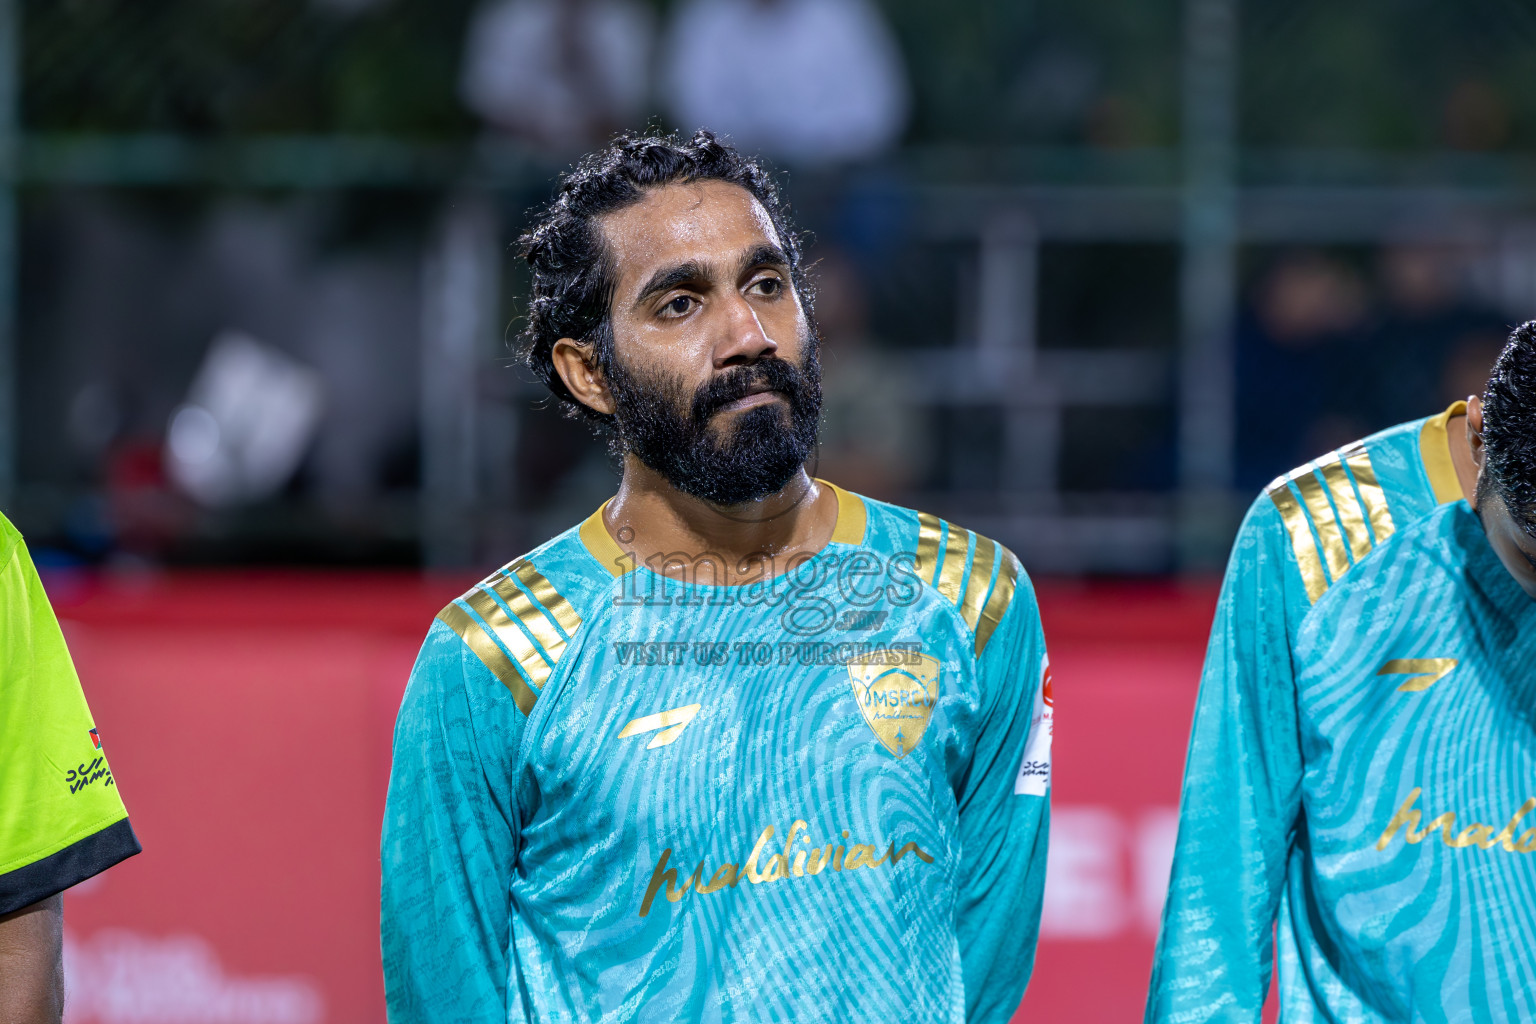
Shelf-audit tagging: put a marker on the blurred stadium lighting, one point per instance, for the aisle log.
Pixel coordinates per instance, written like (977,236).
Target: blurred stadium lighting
(246,424)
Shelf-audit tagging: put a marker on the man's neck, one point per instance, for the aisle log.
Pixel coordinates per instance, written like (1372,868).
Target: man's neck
(1461,454)
(688,538)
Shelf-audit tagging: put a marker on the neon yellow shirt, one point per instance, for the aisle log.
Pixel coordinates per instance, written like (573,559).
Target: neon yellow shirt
(61,818)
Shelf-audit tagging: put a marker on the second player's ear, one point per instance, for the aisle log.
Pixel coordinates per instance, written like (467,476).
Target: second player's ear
(1475,441)
(576,366)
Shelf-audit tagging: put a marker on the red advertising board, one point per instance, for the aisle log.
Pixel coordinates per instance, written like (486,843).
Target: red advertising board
(248,718)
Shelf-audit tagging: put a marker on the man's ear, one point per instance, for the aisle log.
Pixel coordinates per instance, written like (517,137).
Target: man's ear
(577,368)
(1475,443)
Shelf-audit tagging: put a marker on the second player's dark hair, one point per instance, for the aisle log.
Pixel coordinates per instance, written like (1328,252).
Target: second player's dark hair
(572,272)
(1509,426)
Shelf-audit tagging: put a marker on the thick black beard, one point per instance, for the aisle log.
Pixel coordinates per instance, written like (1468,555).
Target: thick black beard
(756,456)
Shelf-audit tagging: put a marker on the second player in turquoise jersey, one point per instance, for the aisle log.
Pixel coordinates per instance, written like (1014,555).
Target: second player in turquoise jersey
(1358,778)
(742,746)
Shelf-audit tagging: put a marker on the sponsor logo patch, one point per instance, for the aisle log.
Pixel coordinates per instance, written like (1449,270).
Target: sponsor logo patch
(89,773)
(1034,777)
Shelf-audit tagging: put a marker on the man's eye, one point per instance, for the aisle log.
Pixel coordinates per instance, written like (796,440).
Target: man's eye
(678,306)
(769,286)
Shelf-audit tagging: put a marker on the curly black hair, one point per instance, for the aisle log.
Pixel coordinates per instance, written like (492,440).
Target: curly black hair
(573,276)
(1509,426)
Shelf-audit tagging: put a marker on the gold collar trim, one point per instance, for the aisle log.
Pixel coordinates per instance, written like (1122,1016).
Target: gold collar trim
(1435,452)
(601,545)
(852,519)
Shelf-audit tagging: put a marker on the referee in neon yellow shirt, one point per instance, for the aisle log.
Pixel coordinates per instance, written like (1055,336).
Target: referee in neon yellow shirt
(61,818)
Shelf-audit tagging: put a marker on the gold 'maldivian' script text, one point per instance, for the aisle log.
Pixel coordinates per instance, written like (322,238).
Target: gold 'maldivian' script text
(1475,834)
(779,866)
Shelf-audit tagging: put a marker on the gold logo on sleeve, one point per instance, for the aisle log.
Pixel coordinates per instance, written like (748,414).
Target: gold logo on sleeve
(1426,671)
(896,691)
(671,723)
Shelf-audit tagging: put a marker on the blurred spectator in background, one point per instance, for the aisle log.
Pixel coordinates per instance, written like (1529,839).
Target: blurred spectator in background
(1467,366)
(871,437)
(1476,117)
(807,81)
(1426,318)
(1294,350)
(165,405)
(1322,361)
(561,74)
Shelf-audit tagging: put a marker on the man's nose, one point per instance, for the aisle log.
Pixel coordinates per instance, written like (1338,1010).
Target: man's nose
(744,341)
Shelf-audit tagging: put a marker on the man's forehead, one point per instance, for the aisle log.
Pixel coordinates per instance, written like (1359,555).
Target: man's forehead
(699,221)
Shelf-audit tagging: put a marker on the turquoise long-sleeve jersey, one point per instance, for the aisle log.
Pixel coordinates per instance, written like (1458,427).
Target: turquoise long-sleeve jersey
(1361,760)
(820,797)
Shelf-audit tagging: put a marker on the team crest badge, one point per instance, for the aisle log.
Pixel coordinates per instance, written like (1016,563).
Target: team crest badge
(896,691)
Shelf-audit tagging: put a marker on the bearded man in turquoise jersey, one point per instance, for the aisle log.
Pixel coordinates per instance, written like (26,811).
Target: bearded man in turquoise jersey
(742,746)
(1361,779)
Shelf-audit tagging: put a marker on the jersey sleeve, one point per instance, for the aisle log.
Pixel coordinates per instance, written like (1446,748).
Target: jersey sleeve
(448,842)
(61,818)
(1004,813)
(1242,792)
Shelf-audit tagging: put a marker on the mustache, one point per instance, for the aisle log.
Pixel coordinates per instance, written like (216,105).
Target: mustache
(776,375)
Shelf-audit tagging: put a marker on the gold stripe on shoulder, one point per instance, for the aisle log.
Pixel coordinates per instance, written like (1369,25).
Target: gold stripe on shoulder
(1435,453)
(545,593)
(1339,508)
(490,655)
(957,547)
(1376,509)
(1316,500)
(929,530)
(601,546)
(1308,559)
(852,516)
(1001,597)
(981,579)
(535,666)
(528,613)
(1350,513)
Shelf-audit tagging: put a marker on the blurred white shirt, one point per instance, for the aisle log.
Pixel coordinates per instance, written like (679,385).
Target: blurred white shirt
(810,81)
(563,73)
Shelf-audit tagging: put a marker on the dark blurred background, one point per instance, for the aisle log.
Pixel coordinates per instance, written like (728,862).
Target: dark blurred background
(1093,272)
